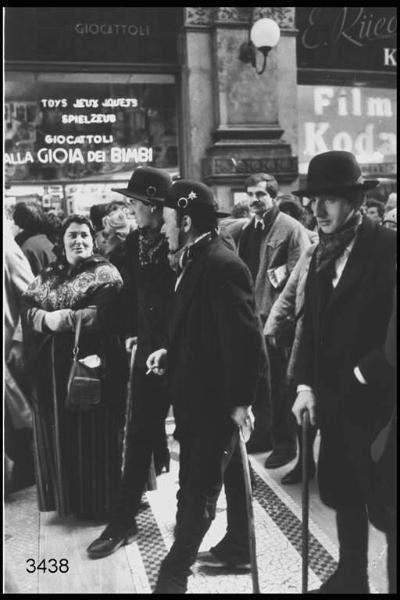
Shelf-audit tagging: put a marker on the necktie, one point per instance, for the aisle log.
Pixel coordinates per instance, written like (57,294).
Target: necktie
(253,250)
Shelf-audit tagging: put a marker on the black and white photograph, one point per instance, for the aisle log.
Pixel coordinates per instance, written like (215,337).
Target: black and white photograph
(200,300)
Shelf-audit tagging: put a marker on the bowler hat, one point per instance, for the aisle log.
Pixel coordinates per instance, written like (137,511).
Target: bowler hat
(186,194)
(147,184)
(334,171)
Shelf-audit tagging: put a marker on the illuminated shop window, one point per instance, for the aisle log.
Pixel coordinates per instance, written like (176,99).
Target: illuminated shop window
(63,127)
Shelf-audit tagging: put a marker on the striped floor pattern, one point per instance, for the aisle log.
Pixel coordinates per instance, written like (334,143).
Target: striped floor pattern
(134,568)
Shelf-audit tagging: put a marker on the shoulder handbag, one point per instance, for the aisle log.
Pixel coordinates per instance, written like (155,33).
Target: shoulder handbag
(84,382)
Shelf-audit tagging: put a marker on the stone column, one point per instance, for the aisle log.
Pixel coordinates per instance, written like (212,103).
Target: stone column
(234,112)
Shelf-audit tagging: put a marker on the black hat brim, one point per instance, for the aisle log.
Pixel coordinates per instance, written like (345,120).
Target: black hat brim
(171,204)
(366,185)
(141,197)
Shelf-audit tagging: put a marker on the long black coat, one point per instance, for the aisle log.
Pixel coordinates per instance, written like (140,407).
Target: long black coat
(145,298)
(384,448)
(339,335)
(216,349)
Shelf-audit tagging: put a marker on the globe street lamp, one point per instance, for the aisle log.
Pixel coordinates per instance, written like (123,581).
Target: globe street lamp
(263,35)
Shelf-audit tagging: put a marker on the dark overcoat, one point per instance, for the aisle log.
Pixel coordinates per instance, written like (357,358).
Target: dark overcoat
(339,334)
(145,298)
(382,369)
(281,247)
(216,350)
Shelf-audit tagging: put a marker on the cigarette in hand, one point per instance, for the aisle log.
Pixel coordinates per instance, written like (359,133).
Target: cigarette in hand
(148,371)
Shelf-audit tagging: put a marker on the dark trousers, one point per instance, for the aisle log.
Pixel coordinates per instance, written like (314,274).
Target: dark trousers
(207,460)
(352,528)
(18,446)
(312,434)
(261,408)
(283,428)
(146,433)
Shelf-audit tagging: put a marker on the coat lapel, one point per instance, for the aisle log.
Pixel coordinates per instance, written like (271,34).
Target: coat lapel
(186,289)
(244,236)
(359,257)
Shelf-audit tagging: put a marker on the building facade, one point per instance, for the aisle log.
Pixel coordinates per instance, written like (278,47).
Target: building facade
(91,93)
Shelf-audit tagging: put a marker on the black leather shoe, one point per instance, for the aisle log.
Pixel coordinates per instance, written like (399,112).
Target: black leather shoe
(162,461)
(210,559)
(295,475)
(170,585)
(338,583)
(278,459)
(110,540)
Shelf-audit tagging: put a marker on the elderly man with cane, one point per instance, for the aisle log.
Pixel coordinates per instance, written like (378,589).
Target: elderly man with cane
(348,303)
(214,358)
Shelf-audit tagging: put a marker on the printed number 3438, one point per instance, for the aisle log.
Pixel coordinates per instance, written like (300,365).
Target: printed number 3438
(53,565)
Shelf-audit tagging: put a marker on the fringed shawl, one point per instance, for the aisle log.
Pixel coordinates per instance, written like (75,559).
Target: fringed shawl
(57,287)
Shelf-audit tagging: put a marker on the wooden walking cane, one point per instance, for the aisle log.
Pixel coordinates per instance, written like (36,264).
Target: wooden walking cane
(305,424)
(250,513)
(152,479)
(128,407)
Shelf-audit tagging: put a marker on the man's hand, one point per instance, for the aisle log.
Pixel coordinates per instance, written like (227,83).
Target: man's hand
(244,419)
(305,401)
(129,343)
(271,340)
(59,320)
(15,357)
(157,362)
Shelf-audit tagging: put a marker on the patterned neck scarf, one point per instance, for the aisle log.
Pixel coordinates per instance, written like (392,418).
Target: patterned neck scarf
(152,246)
(332,245)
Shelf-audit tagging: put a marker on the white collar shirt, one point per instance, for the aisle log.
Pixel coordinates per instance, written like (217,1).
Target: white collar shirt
(258,220)
(341,262)
(203,235)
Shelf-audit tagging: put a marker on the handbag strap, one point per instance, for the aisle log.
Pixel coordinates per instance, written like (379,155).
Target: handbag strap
(78,327)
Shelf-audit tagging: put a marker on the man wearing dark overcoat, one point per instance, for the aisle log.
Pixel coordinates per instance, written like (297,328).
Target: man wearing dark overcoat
(213,360)
(348,303)
(141,315)
(270,244)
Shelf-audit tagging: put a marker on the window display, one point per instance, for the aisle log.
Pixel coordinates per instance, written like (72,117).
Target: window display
(77,127)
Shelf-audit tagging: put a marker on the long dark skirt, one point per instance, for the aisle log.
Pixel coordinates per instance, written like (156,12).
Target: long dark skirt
(77,454)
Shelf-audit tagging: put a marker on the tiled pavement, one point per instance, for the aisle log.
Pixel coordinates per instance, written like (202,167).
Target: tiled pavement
(21,536)
(134,568)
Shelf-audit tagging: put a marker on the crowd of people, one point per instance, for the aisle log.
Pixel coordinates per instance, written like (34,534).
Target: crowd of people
(238,321)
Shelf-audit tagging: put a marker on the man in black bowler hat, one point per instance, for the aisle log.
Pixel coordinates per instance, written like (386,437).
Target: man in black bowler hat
(348,303)
(142,315)
(213,359)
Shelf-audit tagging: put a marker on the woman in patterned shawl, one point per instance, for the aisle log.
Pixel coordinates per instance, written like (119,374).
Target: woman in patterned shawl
(77,454)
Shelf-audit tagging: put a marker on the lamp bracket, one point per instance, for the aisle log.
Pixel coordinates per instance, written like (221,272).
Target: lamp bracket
(247,53)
